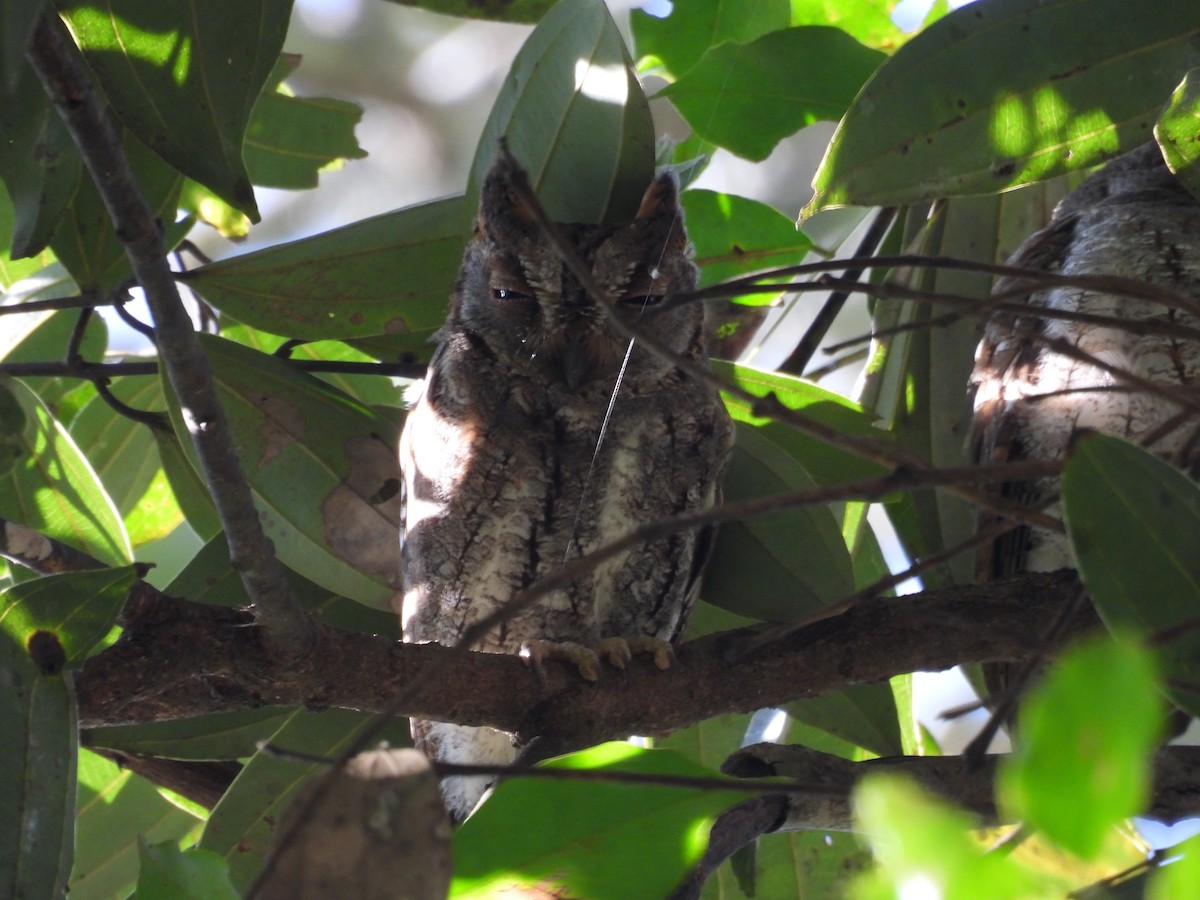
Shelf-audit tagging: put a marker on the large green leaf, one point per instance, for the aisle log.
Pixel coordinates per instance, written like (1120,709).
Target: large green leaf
(185,76)
(1003,93)
(243,823)
(1178,132)
(862,715)
(748,97)
(1083,766)
(391,274)
(168,873)
(869,21)
(16,27)
(114,809)
(53,489)
(37,783)
(12,269)
(735,236)
(224,735)
(1134,526)
(39,184)
(575,116)
(639,840)
(679,40)
(39,336)
(290,429)
(291,139)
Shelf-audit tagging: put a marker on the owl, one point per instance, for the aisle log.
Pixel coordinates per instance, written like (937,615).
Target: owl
(542,434)
(1132,219)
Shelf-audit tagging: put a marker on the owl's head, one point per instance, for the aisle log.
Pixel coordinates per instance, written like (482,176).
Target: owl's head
(517,295)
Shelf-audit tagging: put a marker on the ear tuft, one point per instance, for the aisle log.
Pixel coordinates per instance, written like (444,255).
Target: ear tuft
(661,197)
(500,206)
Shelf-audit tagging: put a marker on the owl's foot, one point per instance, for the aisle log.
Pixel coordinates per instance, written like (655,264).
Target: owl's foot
(585,659)
(662,651)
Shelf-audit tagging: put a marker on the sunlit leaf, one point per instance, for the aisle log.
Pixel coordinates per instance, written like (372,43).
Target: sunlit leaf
(391,274)
(679,40)
(1178,132)
(52,488)
(167,69)
(114,809)
(1179,877)
(575,116)
(748,97)
(735,236)
(291,139)
(1005,93)
(1081,766)
(640,839)
(1134,526)
(869,21)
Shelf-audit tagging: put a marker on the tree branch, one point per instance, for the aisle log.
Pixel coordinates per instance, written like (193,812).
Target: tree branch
(288,631)
(178,659)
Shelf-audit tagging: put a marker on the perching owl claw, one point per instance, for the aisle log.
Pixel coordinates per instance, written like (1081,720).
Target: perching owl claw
(514,465)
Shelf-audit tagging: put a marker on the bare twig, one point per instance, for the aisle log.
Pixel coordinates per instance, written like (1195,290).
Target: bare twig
(286,628)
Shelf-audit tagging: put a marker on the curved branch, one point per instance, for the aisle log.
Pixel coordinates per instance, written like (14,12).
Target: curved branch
(288,629)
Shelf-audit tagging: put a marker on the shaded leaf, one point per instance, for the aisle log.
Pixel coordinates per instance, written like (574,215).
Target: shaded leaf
(748,97)
(640,839)
(37,782)
(223,735)
(114,809)
(168,873)
(187,487)
(679,40)
(13,270)
(391,274)
(1082,767)
(16,27)
(575,116)
(39,336)
(1001,94)
(1134,526)
(290,139)
(735,236)
(167,69)
(1178,132)
(52,489)
(243,823)
(862,715)
(41,184)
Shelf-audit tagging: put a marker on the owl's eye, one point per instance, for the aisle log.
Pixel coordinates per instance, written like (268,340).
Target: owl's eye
(509,296)
(643,300)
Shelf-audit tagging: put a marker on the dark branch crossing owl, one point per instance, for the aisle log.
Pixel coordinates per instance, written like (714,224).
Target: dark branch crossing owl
(1132,219)
(511,469)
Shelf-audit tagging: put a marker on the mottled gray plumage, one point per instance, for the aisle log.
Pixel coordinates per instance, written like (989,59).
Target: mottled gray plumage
(1131,219)
(505,474)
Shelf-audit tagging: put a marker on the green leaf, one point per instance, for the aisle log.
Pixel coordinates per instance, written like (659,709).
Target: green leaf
(575,116)
(1178,878)
(1178,132)
(291,139)
(869,21)
(242,824)
(863,715)
(69,613)
(16,27)
(499,10)
(735,236)
(37,782)
(391,274)
(13,270)
(52,488)
(209,579)
(640,839)
(168,873)
(166,68)
(85,241)
(187,487)
(125,456)
(997,95)
(1083,766)
(289,428)
(1134,526)
(39,336)
(41,184)
(223,735)
(679,40)
(748,97)
(116,808)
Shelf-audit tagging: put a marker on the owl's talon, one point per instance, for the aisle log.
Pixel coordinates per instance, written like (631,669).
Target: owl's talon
(616,650)
(661,651)
(536,652)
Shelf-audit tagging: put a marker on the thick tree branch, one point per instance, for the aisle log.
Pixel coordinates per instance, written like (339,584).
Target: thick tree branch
(287,628)
(178,659)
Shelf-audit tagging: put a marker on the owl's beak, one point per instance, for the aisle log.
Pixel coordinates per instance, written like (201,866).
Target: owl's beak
(576,363)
